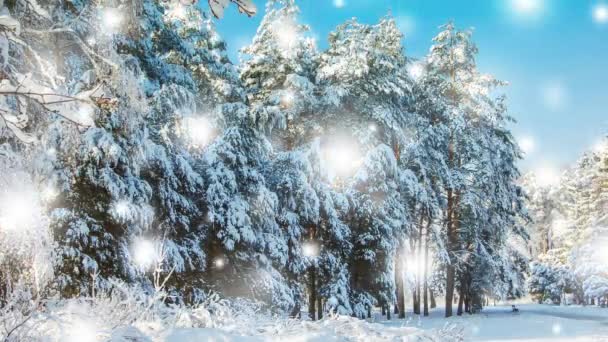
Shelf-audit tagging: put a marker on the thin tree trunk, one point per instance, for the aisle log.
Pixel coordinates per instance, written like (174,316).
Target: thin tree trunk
(400,289)
(460,302)
(426,269)
(312,295)
(388,311)
(416,249)
(400,286)
(383,310)
(319,307)
(433,302)
(419,268)
(450,269)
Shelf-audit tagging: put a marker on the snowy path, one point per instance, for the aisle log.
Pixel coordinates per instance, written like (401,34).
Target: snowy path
(537,323)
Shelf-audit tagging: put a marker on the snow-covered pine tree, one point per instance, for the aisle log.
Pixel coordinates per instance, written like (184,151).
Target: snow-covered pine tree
(481,157)
(364,87)
(279,80)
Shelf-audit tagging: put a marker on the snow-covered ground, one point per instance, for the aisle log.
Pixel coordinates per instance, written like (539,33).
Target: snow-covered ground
(534,322)
(327,330)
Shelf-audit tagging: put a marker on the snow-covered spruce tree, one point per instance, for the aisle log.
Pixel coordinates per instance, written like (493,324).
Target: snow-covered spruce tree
(571,220)
(129,177)
(279,80)
(364,87)
(588,258)
(71,97)
(481,157)
(425,157)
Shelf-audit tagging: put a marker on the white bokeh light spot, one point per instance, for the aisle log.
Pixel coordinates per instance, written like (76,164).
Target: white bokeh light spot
(556,328)
(406,24)
(547,175)
(198,131)
(415,70)
(219,263)
(554,96)
(112,19)
(309,249)
(145,253)
(18,211)
(600,146)
(287,98)
(527,144)
(286,34)
(339,3)
(527,7)
(341,159)
(600,13)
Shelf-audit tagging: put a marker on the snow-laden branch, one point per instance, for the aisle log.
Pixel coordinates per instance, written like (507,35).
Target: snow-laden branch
(245,6)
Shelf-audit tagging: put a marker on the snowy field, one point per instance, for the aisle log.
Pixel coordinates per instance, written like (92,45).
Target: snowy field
(537,323)
(534,322)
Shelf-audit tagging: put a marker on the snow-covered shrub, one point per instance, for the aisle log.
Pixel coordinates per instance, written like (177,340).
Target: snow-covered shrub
(550,280)
(27,256)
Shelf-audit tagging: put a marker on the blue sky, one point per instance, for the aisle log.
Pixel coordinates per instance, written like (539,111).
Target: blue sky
(554,54)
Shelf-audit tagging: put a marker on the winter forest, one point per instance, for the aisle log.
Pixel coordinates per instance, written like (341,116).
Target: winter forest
(153,189)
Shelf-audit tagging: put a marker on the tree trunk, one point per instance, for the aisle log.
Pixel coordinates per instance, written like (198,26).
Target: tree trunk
(426,268)
(383,310)
(319,307)
(460,302)
(400,306)
(312,293)
(450,269)
(433,303)
(416,249)
(449,290)
(388,311)
(419,267)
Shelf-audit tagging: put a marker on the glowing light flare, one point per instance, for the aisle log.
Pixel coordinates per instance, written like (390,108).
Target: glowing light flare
(554,95)
(287,98)
(406,25)
(416,70)
(145,253)
(412,266)
(547,175)
(219,263)
(600,13)
(527,144)
(198,130)
(286,34)
(179,11)
(341,159)
(121,209)
(339,3)
(49,193)
(600,146)
(111,19)
(310,249)
(527,7)
(556,329)
(18,211)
